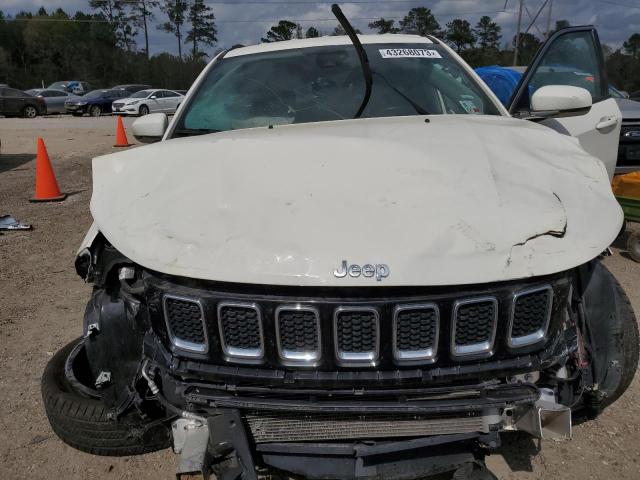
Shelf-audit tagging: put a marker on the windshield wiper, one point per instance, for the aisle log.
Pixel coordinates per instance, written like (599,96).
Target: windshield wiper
(418,108)
(185,132)
(362,55)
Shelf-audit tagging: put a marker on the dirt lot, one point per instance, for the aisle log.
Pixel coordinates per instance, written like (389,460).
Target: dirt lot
(42,300)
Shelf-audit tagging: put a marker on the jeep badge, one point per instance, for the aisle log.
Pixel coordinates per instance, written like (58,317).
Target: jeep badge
(379,271)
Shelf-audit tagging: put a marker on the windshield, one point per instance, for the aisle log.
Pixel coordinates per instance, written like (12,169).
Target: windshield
(141,94)
(98,93)
(58,85)
(326,83)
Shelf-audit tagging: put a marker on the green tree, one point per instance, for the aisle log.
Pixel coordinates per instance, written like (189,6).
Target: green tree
(175,10)
(123,25)
(420,21)
(312,32)
(384,26)
(203,27)
(529,45)
(488,33)
(459,34)
(285,30)
(632,46)
(143,13)
(341,31)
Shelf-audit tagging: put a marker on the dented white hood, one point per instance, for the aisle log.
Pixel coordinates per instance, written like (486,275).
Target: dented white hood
(458,200)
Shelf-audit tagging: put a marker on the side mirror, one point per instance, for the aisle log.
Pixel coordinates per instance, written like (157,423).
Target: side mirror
(153,97)
(150,128)
(557,101)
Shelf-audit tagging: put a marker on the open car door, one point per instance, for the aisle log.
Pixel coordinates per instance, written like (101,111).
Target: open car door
(573,57)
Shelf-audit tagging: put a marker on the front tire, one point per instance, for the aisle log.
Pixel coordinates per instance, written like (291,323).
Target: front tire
(143,110)
(633,246)
(95,111)
(29,112)
(82,421)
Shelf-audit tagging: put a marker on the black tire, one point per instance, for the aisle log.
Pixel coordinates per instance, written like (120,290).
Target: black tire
(29,111)
(143,110)
(83,422)
(630,346)
(633,246)
(95,111)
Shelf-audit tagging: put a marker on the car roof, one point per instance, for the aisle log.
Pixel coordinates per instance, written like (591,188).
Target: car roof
(326,41)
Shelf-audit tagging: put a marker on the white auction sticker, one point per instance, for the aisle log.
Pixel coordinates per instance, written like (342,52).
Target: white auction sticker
(409,53)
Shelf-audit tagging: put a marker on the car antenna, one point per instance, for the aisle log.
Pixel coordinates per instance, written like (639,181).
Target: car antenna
(362,54)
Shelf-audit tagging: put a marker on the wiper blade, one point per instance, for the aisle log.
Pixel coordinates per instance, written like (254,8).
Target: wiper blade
(362,55)
(195,131)
(418,108)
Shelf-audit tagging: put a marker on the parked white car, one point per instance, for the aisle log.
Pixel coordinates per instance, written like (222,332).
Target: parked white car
(345,258)
(148,101)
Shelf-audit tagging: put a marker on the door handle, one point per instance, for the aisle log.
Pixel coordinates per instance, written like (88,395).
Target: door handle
(607,122)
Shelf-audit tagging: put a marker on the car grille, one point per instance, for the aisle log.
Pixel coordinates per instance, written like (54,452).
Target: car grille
(241,330)
(294,427)
(185,322)
(386,332)
(530,316)
(118,105)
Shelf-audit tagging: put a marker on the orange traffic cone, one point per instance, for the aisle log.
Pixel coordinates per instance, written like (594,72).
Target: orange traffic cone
(121,135)
(46,185)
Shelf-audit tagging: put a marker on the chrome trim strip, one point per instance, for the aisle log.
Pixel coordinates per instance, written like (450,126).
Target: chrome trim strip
(176,341)
(410,356)
(356,358)
(476,350)
(296,358)
(235,354)
(538,335)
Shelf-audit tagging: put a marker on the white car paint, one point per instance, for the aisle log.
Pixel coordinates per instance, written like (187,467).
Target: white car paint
(462,199)
(157,101)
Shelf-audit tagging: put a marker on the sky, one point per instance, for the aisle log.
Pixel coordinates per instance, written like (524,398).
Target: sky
(246,21)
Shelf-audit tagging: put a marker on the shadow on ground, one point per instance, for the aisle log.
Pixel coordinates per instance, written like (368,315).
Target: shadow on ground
(9,161)
(518,450)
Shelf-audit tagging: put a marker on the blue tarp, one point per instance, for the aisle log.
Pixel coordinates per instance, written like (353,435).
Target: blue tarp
(501,80)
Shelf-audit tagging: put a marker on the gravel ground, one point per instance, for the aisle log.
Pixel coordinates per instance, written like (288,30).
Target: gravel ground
(42,300)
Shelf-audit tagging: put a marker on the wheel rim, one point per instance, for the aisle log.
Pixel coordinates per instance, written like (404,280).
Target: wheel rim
(30,112)
(95,111)
(144,110)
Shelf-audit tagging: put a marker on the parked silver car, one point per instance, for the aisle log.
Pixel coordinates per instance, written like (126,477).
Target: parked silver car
(53,99)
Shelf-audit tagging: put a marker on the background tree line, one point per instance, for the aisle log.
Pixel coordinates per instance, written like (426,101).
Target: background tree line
(102,48)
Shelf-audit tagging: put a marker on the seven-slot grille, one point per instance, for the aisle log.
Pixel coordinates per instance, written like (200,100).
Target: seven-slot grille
(531,312)
(357,334)
(241,331)
(415,332)
(185,323)
(299,330)
(298,334)
(474,326)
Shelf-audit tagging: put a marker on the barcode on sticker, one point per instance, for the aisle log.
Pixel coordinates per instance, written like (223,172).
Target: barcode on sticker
(409,53)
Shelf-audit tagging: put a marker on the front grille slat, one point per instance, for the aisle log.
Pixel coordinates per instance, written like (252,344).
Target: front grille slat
(240,328)
(474,327)
(530,314)
(357,334)
(415,332)
(298,334)
(185,323)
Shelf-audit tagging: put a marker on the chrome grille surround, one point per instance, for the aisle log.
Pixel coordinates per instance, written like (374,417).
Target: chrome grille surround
(538,335)
(233,353)
(298,357)
(427,355)
(480,349)
(177,341)
(365,358)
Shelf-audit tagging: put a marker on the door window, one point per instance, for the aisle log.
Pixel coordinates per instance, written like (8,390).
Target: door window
(571,59)
(170,94)
(11,92)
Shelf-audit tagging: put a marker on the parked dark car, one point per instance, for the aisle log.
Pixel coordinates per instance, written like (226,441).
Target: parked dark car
(16,103)
(95,103)
(132,88)
(53,99)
